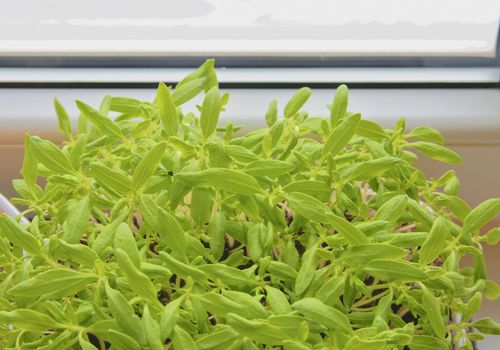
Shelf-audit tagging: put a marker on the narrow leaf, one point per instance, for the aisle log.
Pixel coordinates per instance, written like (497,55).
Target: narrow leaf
(210,111)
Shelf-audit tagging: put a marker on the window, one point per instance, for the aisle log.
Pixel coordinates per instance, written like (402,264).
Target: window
(249,32)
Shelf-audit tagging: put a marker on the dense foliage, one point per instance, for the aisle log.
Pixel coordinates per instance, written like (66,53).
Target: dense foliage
(156,229)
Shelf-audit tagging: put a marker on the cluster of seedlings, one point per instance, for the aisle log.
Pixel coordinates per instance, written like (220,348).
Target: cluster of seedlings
(152,228)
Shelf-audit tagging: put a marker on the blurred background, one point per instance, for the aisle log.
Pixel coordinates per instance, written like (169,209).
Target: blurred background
(435,62)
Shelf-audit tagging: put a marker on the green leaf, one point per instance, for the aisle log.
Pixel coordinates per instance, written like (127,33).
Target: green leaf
(456,205)
(185,92)
(174,235)
(313,188)
(125,105)
(426,133)
(370,130)
(339,106)
(294,345)
(232,181)
(50,156)
(355,343)
(481,215)
(487,325)
(309,207)
(437,152)
(268,168)
(472,306)
(169,318)
(76,152)
(282,270)
(216,234)
(425,342)
(137,280)
(372,168)
(272,113)
(29,320)
(492,237)
(152,330)
(101,122)
(78,220)
(120,340)
(326,315)
(53,284)
(201,204)
(433,310)
(260,331)
(340,135)
(210,111)
(149,210)
(30,166)
(85,344)
(389,270)
(252,304)
(312,209)
(148,165)
(110,178)
(168,110)
(78,252)
(229,275)
(21,238)
(221,338)
(278,301)
(254,242)
(124,314)
(182,340)
(63,118)
(125,240)
(435,242)
(105,238)
(392,210)
(297,101)
(220,305)
(182,269)
(363,253)
(306,271)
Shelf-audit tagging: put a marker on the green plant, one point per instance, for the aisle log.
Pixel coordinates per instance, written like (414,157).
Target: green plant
(161,230)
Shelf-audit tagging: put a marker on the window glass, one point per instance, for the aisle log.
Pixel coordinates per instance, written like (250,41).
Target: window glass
(250,27)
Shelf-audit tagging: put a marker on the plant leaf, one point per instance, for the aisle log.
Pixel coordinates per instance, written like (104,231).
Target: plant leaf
(28,320)
(389,270)
(168,110)
(268,168)
(297,101)
(223,179)
(340,135)
(315,310)
(101,122)
(210,111)
(339,106)
(63,118)
(77,221)
(435,242)
(259,331)
(174,235)
(437,152)
(148,165)
(53,284)
(138,281)
(433,309)
(50,155)
(11,229)
(481,214)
